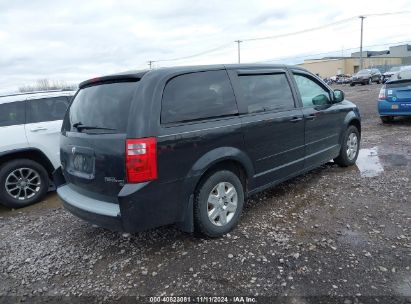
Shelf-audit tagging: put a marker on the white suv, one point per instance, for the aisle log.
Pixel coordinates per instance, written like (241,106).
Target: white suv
(30,125)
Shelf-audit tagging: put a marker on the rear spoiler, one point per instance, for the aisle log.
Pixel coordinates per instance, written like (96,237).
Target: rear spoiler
(111,79)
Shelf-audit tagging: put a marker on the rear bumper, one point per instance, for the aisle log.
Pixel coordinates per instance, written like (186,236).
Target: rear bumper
(385,109)
(101,213)
(138,207)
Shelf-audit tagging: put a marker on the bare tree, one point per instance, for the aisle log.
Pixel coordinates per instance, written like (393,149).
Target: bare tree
(47,85)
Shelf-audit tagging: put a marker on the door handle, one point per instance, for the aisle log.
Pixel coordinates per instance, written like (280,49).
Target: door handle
(296,119)
(38,129)
(310,117)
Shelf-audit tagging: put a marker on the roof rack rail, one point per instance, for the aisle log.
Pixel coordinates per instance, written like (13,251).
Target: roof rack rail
(36,92)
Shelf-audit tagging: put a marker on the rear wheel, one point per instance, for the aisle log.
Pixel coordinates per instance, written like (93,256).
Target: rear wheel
(22,182)
(218,203)
(386,119)
(349,148)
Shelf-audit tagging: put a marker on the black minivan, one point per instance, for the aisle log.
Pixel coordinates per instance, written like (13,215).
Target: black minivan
(187,145)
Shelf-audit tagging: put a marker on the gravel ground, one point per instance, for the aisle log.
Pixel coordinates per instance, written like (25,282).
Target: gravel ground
(332,232)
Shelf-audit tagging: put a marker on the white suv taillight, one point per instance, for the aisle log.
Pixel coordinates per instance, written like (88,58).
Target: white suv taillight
(382,94)
(141,159)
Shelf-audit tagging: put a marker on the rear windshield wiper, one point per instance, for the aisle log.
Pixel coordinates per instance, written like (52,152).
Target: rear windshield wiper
(79,126)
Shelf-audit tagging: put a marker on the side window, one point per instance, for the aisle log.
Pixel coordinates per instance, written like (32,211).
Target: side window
(266,92)
(12,113)
(198,96)
(312,94)
(46,109)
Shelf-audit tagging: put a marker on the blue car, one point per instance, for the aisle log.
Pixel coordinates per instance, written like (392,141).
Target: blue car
(395,96)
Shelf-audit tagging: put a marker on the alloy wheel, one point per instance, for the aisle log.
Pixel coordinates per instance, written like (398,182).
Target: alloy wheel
(222,204)
(23,183)
(352,146)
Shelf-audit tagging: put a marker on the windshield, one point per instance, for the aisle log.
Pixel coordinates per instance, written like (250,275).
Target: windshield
(101,108)
(404,74)
(363,72)
(394,69)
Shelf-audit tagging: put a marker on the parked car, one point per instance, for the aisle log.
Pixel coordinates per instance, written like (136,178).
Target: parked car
(389,73)
(393,71)
(367,76)
(187,145)
(343,79)
(30,126)
(395,96)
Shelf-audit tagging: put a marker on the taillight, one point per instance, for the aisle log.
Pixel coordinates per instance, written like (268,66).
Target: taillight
(141,159)
(382,94)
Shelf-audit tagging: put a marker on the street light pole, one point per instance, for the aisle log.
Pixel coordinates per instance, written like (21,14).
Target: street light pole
(150,63)
(238,49)
(362,21)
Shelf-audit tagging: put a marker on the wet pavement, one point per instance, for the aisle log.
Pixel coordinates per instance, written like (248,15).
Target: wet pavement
(342,232)
(369,163)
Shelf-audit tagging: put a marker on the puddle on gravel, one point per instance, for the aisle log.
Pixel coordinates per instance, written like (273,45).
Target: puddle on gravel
(403,286)
(353,238)
(51,201)
(368,162)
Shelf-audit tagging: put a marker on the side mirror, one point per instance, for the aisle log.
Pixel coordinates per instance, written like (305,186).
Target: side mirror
(338,96)
(320,100)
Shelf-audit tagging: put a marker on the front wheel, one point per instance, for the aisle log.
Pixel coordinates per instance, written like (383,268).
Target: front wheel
(386,119)
(22,183)
(349,148)
(218,203)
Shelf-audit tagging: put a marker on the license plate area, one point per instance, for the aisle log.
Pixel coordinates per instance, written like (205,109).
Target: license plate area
(81,162)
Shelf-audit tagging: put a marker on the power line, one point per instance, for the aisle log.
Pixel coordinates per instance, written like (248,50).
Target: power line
(223,46)
(323,26)
(301,32)
(330,52)
(195,55)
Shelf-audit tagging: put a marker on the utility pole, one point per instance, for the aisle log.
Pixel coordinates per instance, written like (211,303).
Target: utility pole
(362,21)
(238,49)
(150,63)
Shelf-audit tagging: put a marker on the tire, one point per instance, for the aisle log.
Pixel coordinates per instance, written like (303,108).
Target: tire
(352,84)
(346,158)
(386,119)
(212,190)
(11,172)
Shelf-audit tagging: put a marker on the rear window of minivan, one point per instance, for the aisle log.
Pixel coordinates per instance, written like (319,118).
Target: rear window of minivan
(102,106)
(198,96)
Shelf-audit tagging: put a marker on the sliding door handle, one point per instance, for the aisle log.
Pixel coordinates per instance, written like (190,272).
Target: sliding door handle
(310,117)
(296,119)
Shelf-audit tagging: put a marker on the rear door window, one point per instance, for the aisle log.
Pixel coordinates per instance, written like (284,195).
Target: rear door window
(104,106)
(266,92)
(46,109)
(198,96)
(12,113)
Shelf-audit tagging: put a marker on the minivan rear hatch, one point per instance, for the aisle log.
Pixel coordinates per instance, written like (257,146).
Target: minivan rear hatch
(94,135)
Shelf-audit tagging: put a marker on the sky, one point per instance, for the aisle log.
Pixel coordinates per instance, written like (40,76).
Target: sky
(75,40)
